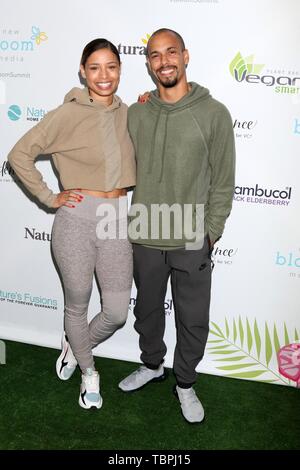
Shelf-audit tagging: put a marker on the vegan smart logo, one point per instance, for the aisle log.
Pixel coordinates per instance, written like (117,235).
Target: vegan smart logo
(243,69)
(240,67)
(14,112)
(30,113)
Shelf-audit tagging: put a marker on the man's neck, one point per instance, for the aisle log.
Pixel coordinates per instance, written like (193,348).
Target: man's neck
(175,93)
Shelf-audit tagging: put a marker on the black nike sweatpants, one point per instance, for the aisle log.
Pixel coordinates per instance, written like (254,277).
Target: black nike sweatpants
(190,272)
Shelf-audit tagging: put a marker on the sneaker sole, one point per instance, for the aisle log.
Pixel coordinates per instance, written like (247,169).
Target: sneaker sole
(59,363)
(190,422)
(161,378)
(90,405)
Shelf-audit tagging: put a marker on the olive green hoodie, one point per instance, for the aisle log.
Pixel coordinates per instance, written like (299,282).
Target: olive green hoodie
(185,154)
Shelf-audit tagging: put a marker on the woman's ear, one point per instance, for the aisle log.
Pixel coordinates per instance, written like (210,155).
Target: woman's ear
(82,71)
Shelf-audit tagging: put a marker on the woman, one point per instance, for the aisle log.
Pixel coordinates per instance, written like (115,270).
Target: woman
(91,148)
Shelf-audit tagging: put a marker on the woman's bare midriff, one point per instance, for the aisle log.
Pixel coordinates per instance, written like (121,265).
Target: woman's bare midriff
(108,194)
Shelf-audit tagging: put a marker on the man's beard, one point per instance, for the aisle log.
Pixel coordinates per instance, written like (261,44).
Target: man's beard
(169,83)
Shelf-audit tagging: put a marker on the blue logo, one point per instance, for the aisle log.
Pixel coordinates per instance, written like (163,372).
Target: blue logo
(288,259)
(30,113)
(297,126)
(14,112)
(27,45)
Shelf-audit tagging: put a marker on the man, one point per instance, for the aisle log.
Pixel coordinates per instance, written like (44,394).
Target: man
(185,154)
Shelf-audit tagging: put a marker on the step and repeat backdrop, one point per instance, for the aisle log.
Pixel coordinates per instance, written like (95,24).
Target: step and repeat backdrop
(246,53)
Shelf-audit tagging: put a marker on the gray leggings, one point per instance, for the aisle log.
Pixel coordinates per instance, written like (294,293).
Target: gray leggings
(79,252)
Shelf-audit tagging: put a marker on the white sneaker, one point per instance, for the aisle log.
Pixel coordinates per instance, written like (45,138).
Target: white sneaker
(140,377)
(66,363)
(191,406)
(89,390)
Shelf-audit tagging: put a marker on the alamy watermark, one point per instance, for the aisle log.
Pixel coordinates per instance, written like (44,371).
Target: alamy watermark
(162,222)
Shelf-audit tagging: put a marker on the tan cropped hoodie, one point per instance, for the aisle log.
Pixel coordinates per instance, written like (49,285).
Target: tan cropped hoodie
(89,144)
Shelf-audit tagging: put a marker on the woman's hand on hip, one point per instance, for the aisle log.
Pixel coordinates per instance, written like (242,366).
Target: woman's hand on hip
(67,198)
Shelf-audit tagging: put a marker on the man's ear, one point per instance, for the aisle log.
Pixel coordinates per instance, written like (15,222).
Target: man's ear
(148,64)
(82,72)
(186,57)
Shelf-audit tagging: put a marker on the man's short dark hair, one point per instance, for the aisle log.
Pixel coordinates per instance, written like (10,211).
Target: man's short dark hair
(166,30)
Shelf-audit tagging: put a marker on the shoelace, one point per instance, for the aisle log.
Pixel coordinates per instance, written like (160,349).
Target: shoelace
(91,382)
(191,398)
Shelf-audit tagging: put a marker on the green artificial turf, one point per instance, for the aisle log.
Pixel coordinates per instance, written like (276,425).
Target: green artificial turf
(38,411)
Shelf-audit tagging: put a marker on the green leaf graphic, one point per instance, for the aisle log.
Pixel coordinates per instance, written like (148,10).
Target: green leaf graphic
(234,331)
(227,328)
(234,358)
(218,329)
(241,330)
(268,345)
(276,340)
(247,375)
(233,63)
(237,366)
(220,347)
(286,336)
(216,334)
(215,341)
(249,337)
(257,339)
(224,352)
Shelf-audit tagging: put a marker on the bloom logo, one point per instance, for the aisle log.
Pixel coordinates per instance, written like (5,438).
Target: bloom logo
(289,260)
(243,69)
(297,126)
(37,37)
(14,112)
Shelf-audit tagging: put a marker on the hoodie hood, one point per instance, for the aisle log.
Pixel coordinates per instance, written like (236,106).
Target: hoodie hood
(196,94)
(81,96)
(164,110)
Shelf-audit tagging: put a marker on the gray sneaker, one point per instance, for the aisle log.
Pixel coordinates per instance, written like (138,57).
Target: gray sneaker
(191,407)
(140,377)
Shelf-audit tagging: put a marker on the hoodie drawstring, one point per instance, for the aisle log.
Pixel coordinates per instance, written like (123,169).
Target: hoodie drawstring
(165,137)
(163,149)
(150,166)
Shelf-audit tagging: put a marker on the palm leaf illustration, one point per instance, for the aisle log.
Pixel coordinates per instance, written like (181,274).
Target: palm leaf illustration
(239,348)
